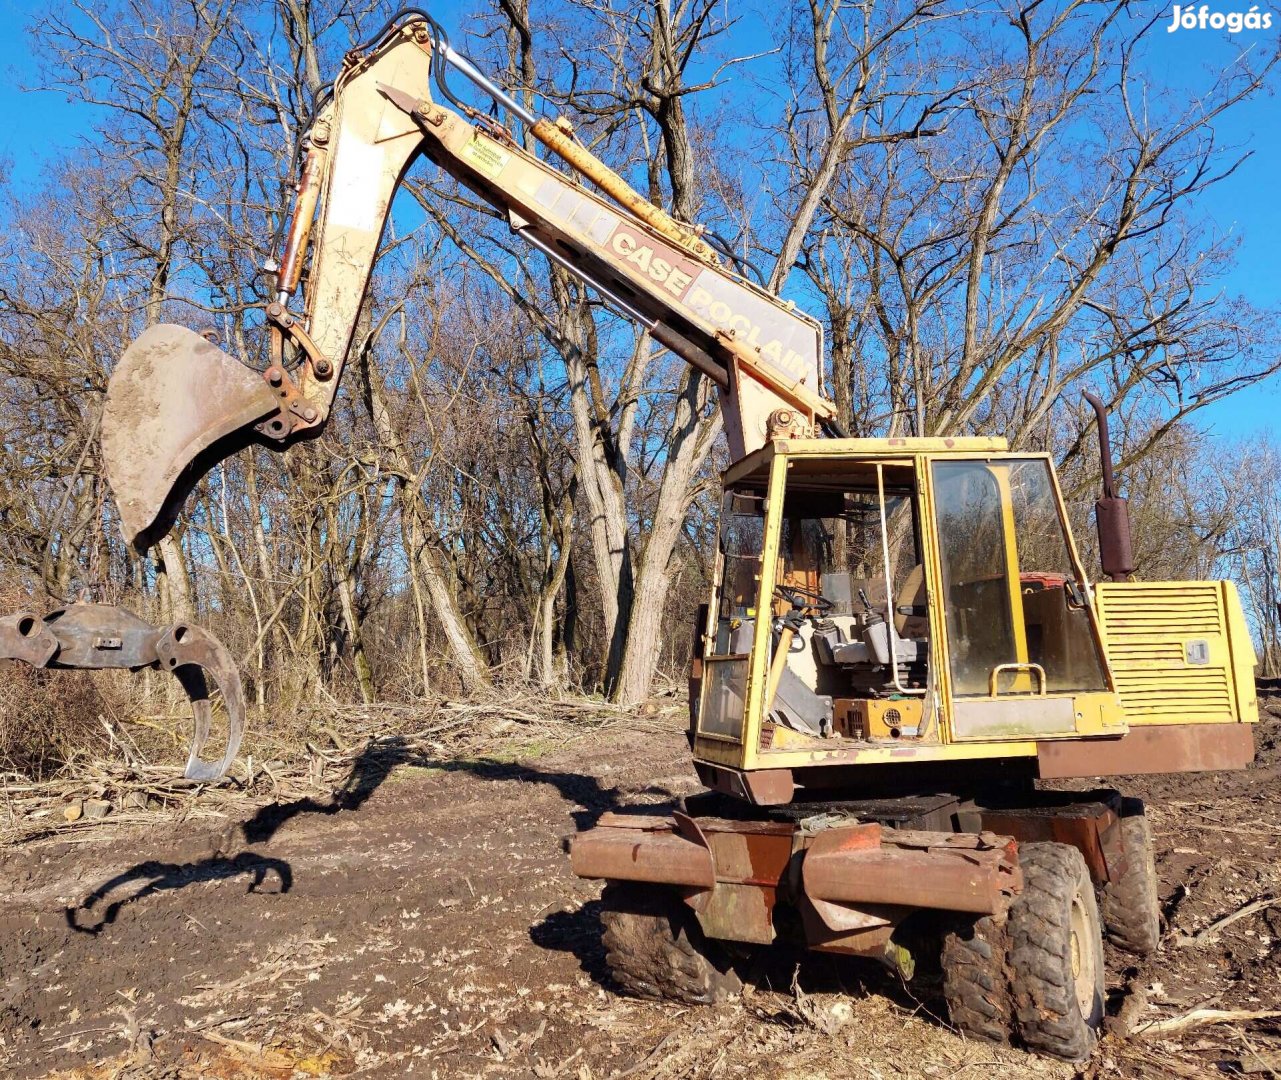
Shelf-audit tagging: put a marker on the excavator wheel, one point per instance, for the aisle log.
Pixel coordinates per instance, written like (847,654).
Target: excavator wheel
(655,948)
(1131,904)
(1056,953)
(976,981)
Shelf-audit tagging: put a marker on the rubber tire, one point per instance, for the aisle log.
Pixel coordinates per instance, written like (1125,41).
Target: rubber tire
(655,948)
(1047,1016)
(976,979)
(1131,904)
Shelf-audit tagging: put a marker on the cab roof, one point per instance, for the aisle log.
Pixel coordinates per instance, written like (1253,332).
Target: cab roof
(757,463)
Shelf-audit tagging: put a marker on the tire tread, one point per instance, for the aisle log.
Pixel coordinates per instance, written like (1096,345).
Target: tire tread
(976,979)
(1131,903)
(1046,1015)
(655,948)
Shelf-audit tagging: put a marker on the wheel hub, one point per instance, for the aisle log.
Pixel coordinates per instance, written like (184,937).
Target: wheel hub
(1082,959)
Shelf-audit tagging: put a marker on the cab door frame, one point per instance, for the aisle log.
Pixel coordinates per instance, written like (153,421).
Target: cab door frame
(1028,712)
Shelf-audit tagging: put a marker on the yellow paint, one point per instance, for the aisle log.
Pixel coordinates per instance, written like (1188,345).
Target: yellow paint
(1158,632)
(1021,683)
(932,558)
(902,750)
(1241,645)
(895,451)
(758,667)
(1143,630)
(718,750)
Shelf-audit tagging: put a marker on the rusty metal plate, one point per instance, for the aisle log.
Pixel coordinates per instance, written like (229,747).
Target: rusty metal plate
(734,912)
(638,855)
(847,918)
(760,787)
(1082,826)
(946,875)
(98,636)
(171,398)
(1164,748)
(25,637)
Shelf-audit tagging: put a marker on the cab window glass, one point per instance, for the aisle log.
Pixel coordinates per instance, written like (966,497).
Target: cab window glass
(1052,600)
(1013,601)
(972,543)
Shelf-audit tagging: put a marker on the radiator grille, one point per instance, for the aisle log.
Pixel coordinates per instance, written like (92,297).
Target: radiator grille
(1148,628)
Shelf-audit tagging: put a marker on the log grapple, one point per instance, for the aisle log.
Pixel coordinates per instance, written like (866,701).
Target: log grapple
(95,637)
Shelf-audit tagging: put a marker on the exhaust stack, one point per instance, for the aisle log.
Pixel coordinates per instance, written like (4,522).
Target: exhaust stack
(1111,513)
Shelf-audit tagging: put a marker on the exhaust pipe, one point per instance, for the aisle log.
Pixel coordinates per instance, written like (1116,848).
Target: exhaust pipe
(1111,513)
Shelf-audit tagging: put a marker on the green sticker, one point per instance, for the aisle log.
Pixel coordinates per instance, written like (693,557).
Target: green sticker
(488,157)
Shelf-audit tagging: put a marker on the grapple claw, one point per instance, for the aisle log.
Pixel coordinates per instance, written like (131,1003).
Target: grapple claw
(182,647)
(97,636)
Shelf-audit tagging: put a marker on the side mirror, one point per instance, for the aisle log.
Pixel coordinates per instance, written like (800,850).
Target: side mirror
(1111,513)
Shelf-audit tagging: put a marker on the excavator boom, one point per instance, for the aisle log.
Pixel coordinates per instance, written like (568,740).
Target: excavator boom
(177,404)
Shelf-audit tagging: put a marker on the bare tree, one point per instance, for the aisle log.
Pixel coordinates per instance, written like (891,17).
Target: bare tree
(515,484)
(1042,238)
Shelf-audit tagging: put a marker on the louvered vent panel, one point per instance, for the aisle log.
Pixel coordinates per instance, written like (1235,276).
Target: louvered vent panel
(1148,628)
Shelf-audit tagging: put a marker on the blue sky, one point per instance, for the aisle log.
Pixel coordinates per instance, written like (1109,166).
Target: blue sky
(38,127)
(1245,205)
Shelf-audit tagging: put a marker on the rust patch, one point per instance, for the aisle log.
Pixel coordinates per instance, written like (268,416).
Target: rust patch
(1159,748)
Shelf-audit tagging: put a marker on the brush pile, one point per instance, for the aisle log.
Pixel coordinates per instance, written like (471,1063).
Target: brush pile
(339,749)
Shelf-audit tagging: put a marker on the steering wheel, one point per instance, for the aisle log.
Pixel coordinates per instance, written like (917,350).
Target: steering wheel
(803,599)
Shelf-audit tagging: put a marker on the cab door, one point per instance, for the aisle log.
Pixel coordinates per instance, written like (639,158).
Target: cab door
(1022,653)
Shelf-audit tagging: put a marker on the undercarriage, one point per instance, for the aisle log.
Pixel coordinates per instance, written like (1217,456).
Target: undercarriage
(1010,889)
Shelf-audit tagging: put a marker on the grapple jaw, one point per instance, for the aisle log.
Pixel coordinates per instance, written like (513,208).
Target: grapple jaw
(176,406)
(98,636)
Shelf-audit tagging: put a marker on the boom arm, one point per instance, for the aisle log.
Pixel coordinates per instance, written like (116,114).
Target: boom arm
(763,355)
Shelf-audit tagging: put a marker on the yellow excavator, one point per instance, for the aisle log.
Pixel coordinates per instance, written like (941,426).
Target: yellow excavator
(901,639)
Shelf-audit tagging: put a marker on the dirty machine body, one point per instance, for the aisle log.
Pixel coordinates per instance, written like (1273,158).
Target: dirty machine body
(900,645)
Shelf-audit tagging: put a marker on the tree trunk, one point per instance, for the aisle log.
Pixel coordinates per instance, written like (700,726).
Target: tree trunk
(468,662)
(690,446)
(364,674)
(172,566)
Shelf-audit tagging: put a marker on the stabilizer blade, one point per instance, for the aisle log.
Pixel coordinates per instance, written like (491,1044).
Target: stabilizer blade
(176,406)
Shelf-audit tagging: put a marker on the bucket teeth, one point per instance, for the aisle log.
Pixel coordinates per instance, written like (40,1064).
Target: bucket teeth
(176,405)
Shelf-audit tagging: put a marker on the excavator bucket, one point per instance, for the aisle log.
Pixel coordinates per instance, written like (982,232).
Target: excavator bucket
(176,405)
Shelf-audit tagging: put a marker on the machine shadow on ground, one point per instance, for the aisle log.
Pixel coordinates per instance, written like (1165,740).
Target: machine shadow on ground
(779,967)
(158,877)
(377,762)
(369,771)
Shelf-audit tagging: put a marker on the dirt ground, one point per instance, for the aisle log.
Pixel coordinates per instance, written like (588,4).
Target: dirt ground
(427,924)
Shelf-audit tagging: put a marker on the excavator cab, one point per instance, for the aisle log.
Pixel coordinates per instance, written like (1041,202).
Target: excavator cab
(919,596)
